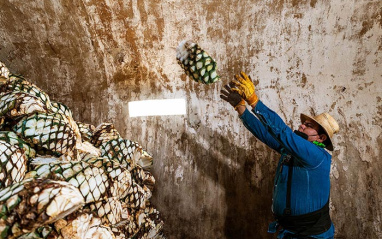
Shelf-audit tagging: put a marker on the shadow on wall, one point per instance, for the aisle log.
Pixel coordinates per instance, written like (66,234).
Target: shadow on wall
(248,196)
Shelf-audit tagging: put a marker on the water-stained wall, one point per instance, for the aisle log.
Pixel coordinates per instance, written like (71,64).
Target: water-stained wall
(214,180)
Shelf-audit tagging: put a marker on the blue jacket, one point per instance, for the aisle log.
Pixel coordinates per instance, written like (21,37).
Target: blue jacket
(310,180)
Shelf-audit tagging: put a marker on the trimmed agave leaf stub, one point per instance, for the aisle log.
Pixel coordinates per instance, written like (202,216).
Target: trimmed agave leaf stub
(121,182)
(143,177)
(145,223)
(86,150)
(49,131)
(196,62)
(137,196)
(146,160)
(4,72)
(86,130)
(128,227)
(2,122)
(58,107)
(150,223)
(110,210)
(103,133)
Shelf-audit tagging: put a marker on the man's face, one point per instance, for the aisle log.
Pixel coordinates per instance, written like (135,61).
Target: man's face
(311,129)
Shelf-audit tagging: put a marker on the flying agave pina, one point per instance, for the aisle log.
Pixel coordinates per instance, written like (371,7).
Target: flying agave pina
(32,203)
(196,62)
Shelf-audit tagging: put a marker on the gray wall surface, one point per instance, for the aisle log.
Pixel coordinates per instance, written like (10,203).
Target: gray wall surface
(214,179)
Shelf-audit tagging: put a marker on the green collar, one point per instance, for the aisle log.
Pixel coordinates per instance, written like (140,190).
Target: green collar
(319,144)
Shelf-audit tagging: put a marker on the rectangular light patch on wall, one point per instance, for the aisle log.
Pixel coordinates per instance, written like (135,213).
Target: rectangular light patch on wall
(157,107)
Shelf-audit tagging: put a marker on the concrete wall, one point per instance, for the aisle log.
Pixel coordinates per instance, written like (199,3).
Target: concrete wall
(214,180)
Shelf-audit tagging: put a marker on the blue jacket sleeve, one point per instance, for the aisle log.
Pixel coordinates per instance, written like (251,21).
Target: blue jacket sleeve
(257,129)
(308,154)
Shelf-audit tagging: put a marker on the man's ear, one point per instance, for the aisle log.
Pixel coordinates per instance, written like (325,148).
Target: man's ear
(322,138)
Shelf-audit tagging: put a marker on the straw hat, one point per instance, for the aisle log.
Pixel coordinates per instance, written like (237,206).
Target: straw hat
(327,122)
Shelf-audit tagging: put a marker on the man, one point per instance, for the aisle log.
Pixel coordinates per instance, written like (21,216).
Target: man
(302,182)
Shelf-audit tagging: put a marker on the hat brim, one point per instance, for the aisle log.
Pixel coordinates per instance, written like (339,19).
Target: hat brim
(304,117)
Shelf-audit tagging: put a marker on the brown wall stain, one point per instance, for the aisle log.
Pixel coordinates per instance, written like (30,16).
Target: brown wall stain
(313,3)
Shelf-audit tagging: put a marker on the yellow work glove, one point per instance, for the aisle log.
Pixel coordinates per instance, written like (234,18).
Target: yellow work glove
(245,88)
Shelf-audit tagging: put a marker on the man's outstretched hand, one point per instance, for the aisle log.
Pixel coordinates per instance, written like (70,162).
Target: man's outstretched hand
(231,97)
(244,86)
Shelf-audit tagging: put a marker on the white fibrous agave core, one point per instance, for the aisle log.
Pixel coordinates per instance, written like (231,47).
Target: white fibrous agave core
(182,51)
(4,72)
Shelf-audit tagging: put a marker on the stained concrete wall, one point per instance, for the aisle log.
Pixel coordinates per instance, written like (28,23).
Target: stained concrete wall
(214,180)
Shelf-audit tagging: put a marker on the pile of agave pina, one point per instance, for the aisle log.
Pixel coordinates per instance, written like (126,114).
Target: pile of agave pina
(61,178)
